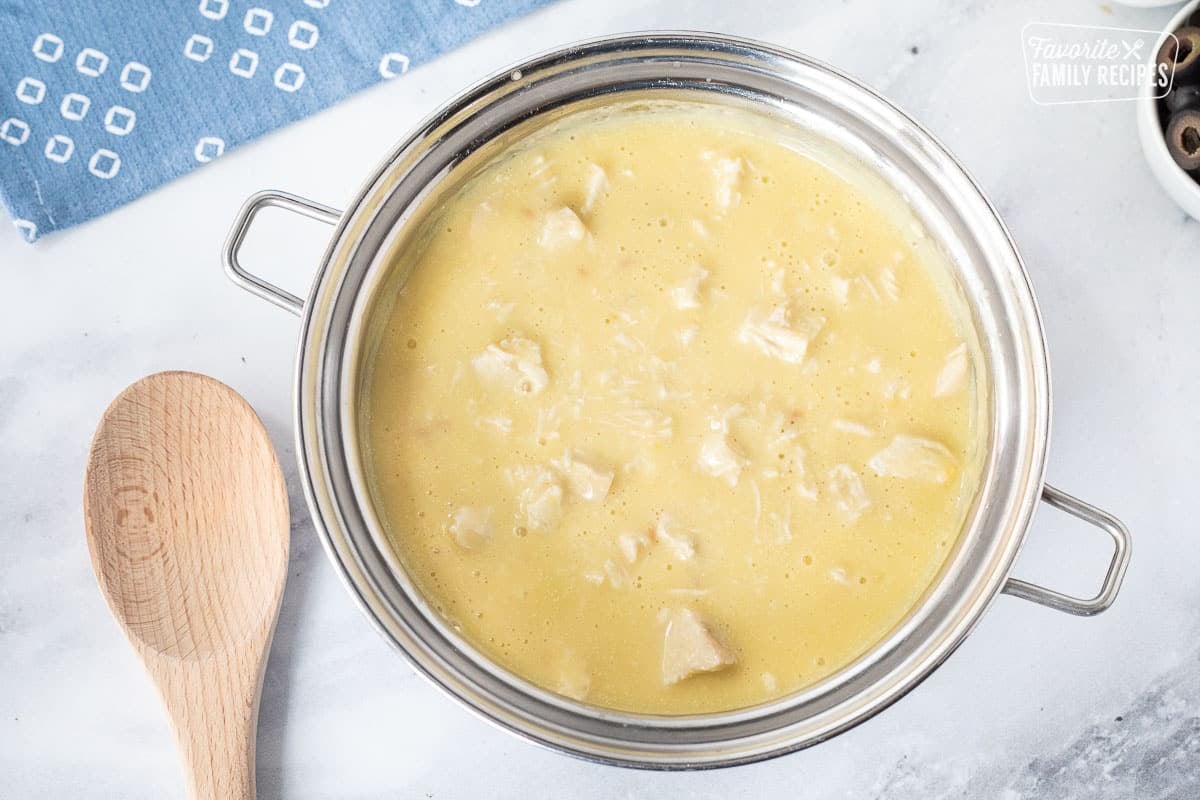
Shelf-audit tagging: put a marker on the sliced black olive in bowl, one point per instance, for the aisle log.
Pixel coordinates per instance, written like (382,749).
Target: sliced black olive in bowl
(1182,98)
(1182,50)
(1183,139)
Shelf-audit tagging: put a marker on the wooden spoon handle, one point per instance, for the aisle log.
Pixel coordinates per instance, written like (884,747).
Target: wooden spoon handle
(214,712)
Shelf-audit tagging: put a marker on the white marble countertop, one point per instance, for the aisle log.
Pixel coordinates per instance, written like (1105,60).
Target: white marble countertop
(1036,704)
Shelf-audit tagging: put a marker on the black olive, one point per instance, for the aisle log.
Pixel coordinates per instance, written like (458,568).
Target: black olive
(1182,98)
(1183,139)
(1184,52)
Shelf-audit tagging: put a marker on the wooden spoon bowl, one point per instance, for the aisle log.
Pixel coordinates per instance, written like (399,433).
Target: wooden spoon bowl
(187,523)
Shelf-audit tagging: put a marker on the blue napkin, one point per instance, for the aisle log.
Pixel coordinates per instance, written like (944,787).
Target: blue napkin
(102,101)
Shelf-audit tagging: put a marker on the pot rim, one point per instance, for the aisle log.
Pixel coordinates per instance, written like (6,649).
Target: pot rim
(322,493)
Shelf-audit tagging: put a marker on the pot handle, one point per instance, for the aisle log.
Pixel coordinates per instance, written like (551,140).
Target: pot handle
(241,225)
(1112,578)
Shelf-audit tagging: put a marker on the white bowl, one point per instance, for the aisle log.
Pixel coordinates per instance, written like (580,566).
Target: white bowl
(1179,185)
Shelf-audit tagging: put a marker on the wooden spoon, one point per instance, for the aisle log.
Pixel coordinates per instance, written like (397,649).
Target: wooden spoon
(187,523)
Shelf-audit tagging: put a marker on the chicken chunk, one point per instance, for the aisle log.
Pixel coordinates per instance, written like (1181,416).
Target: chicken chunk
(597,182)
(539,497)
(914,457)
(780,333)
(687,294)
(514,364)
(617,575)
(643,423)
(585,479)
(497,422)
(718,457)
(670,534)
(727,175)
(574,680)
(852,427)
(953,375)
(689,648)
(632,545)
(849,495)
(561,228)
(471,526)
(889,287)
(840,288)
(482,219)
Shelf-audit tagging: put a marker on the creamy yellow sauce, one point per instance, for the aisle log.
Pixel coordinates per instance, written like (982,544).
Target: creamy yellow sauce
(666,414)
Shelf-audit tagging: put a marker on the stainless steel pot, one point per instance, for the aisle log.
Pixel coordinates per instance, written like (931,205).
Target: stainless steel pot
(826,103)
